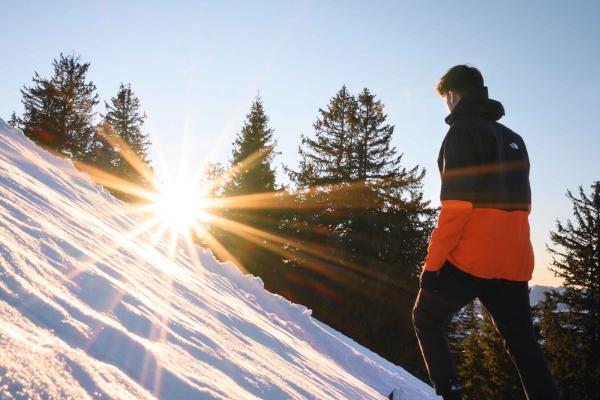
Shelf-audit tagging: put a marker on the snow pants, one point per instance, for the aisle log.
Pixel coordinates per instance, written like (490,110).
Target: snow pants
(445,292)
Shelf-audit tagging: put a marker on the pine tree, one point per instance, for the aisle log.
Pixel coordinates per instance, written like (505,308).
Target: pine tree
(359,229)
(465,338)
(328,159)
(485,370)
(498,377)
(124,117)
(375,158)
(392,212)
(59,111)
(459,327)
(322,182)
(105,155)
(251,172)
(212,181)
(14,120)
(252,155)
(570,321)
(124,147)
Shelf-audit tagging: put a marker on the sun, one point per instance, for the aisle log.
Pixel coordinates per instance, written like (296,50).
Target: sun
(179,206)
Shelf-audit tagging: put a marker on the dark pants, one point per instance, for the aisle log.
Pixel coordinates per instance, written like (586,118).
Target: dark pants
(445,292)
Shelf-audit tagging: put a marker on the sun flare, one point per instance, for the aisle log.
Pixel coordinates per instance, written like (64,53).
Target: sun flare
(179,205)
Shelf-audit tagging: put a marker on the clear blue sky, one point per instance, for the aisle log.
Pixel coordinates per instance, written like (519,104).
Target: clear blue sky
(196,67)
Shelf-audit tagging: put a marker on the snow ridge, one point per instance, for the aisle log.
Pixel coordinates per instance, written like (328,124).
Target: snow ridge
(95,305)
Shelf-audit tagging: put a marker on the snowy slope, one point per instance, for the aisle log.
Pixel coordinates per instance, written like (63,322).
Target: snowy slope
(94,305)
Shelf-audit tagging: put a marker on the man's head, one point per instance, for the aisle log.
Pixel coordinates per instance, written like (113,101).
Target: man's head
(457,83)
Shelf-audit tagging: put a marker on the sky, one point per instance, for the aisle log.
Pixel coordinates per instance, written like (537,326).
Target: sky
(197,66)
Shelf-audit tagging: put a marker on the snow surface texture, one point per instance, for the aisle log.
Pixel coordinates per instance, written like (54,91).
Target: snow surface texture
(94,306)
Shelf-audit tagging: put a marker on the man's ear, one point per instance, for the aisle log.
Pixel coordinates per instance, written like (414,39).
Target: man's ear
(451,96)
(454,97)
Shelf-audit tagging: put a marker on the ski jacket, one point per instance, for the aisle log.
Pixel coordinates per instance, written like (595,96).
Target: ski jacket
(483,226)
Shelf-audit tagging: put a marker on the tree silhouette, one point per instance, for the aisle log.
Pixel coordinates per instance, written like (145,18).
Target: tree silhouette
(250,173)
(252,155)
(569,320)
(123,150)
(359,228)
(59,112)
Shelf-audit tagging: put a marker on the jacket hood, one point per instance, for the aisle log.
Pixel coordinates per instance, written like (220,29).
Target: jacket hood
(476,103)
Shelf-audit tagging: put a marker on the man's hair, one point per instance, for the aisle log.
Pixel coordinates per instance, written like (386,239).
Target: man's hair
(461,79)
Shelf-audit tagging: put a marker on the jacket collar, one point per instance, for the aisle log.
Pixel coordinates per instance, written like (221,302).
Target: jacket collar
(476,103)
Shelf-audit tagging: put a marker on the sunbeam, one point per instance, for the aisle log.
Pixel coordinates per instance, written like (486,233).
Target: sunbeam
(181,211)
(178,204)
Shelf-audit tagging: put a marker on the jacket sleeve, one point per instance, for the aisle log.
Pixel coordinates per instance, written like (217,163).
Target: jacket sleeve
(461,174)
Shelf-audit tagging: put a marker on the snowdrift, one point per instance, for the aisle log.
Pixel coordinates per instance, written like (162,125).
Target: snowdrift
(93,305)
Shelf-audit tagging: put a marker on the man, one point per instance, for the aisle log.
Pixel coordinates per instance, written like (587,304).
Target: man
(480,247)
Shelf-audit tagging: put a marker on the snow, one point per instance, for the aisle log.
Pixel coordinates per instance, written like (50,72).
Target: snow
(93,304)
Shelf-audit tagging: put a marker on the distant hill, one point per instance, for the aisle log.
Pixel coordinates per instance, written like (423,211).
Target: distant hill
(537,293)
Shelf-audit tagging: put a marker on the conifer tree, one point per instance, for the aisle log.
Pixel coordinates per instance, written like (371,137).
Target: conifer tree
(498,377)
(325,172)
(570,320)
(14,120)
(464,336)
(124,148)
(251,169)
(105,155)
(328,158)
(59,112)
(251,172)
(252,155)
(375,158)
(393,213)
(212,179)
(365,214)
(485,370)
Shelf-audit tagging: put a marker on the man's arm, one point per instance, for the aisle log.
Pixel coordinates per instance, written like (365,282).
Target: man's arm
(460,176)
